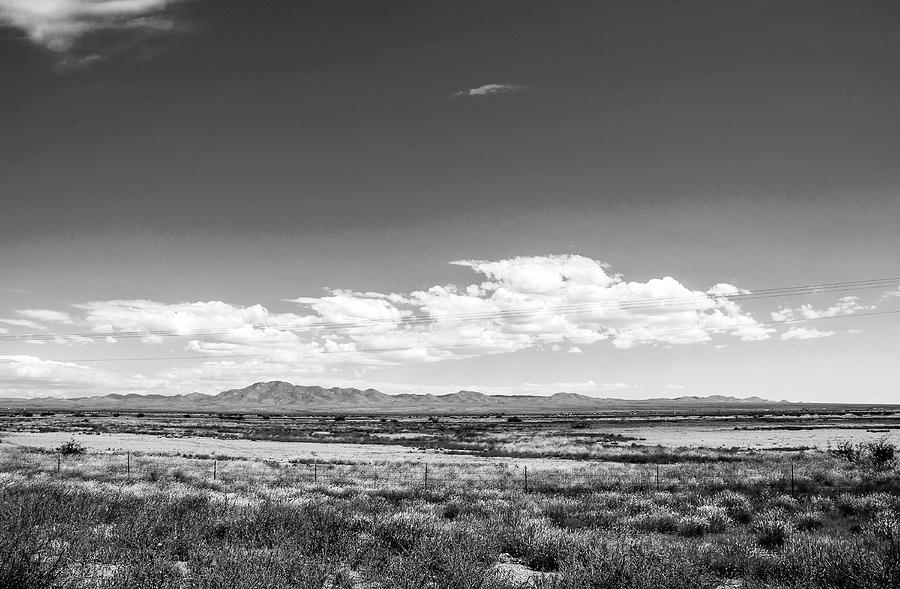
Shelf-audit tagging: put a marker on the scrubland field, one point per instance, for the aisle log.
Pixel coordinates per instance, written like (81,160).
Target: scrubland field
(564,502)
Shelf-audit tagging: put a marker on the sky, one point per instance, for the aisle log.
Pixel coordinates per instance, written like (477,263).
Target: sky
(618,199)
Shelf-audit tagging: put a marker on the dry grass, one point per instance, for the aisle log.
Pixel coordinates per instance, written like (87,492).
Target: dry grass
(265,524)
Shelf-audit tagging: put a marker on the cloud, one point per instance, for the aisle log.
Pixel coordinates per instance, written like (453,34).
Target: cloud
(891,293)
(528,302)
(30,376)
(26,323)
(46,315)
(804,333)
(490,90)
(63,26)
(845,306)
(725,289)
(523,302)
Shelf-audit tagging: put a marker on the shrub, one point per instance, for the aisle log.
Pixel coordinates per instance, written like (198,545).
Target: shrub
(693,526)
(846,451)
(885,526)
(772,531)
(880,454)
(659,520)
(451,510)
(737,506)
(71,448)
(784,502)
(716,517)
(809,521)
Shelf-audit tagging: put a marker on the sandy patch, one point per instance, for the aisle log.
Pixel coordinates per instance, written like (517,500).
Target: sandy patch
(725,436)
(267,450)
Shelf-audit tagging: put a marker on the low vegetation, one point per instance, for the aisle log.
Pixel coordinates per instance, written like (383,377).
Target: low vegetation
(878,454)
(174,521)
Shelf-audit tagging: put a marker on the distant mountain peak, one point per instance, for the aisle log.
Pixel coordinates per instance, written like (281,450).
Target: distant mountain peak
(278,395)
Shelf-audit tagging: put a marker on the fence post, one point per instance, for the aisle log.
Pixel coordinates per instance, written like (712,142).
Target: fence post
(426,477)
(58,460)
(128,464)
(526,478)
(315,473)
(214,469)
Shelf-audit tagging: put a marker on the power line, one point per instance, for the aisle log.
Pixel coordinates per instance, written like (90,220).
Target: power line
(414,320)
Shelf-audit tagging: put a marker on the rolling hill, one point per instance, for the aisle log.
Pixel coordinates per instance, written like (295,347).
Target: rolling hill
(280,396)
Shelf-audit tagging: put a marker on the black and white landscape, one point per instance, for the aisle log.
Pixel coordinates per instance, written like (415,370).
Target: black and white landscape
(494,294)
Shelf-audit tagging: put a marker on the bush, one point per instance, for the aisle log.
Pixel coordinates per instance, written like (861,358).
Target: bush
(885,526)
(772,531)
(716,517)
(880,454)
(737,506)
(660,520)
(71,448)
(693,526)
(846,451)
(809,521)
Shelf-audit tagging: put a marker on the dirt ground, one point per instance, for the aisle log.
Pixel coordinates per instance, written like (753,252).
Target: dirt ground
(264,450)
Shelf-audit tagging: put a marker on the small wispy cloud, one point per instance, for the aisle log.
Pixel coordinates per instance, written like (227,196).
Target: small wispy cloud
(845,306)
(805,333)
(26,323)
(62,25)
(490,90)
(891,293)
(46,315)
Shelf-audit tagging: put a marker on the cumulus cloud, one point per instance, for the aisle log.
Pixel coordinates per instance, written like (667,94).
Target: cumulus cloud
(540,302)
(490,90)
(804,333)
(29,376)
(725,289)
(528,301)
(63,25)
(845,306)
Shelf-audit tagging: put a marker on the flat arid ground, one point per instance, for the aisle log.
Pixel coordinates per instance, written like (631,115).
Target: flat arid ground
(404,437)
(567,501)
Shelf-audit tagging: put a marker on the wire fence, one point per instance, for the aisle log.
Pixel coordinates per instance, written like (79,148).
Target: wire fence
(784,478)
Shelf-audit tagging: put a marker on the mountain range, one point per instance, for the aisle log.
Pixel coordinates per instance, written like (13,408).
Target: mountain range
(279,396)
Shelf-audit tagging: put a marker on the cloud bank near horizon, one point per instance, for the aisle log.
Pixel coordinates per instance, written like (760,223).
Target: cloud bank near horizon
(551,303)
